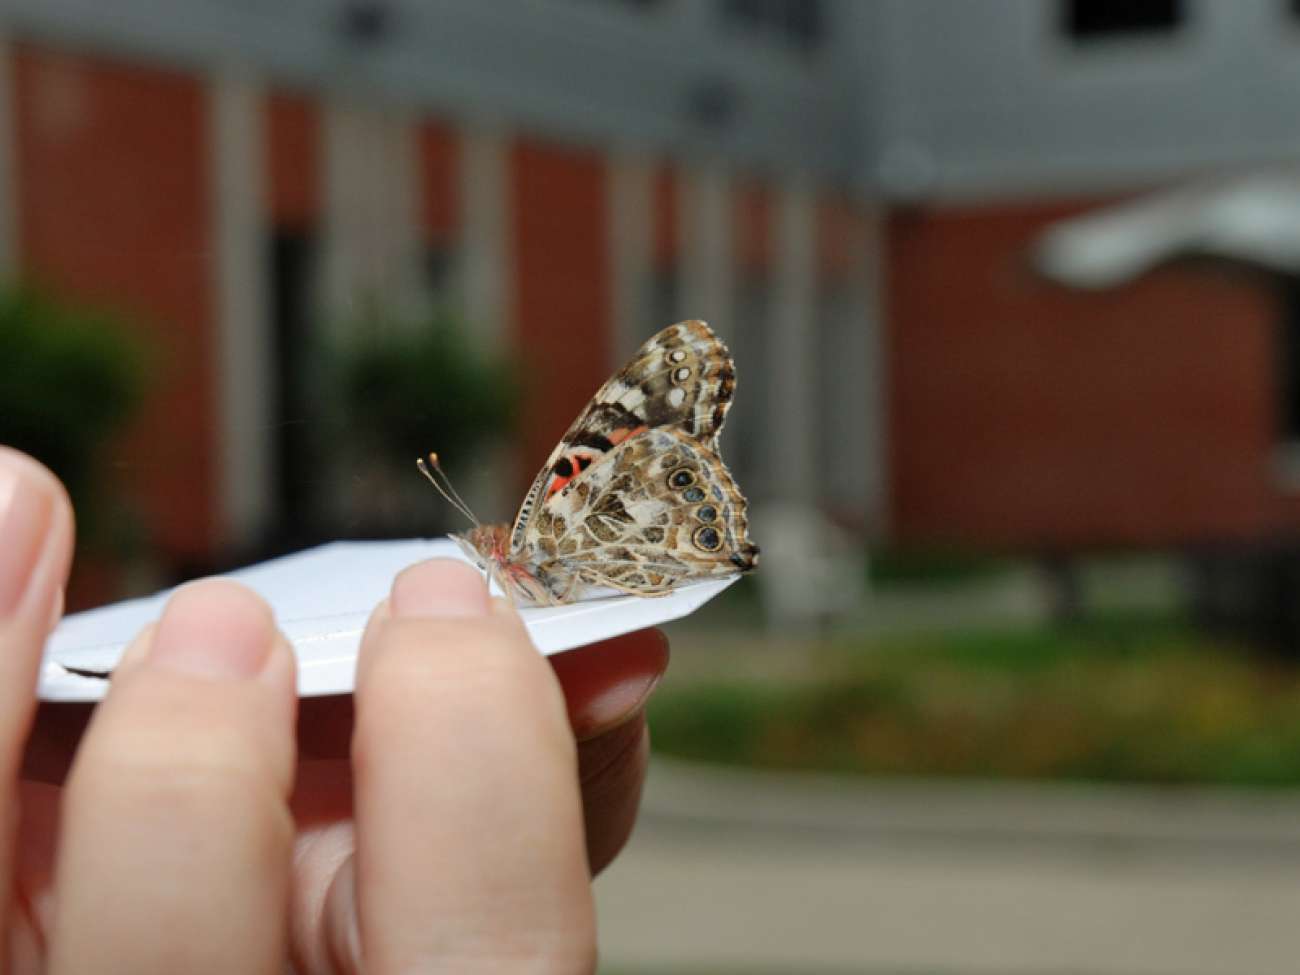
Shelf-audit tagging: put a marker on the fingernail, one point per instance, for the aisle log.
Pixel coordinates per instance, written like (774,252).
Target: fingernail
(214,629)
(615,706)
(26,510)
(439,588)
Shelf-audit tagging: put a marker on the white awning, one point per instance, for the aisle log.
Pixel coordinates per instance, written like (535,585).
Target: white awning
(1254,220)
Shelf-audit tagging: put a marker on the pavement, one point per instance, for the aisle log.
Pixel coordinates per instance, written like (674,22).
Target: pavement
(733,871)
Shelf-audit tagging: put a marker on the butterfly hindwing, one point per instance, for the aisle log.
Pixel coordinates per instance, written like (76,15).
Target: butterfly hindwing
(658,509)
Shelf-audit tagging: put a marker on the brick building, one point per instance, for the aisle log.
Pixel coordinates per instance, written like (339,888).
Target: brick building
(574,175)
(848,190)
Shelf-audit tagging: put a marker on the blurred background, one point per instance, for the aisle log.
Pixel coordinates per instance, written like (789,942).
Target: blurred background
(1013,289)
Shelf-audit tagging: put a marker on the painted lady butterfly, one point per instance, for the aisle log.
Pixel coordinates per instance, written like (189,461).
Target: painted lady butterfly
(634,498)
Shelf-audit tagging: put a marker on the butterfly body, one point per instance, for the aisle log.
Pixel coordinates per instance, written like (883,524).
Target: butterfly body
(635,497)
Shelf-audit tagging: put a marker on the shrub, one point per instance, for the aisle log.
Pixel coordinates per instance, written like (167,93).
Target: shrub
(70,378)
(406,386)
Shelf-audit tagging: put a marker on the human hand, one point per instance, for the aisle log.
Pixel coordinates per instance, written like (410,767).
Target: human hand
(443,824)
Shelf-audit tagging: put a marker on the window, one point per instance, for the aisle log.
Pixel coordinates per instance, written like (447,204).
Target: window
(798,23)
(749,13)
(747,446)
(295,420)
(1289,366)
(1286,408)
(637,4)
(439,266)
(664,301)
(1100,20)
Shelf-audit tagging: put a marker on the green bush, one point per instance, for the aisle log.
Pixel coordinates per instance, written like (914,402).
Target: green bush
(931,566)
(70,378)
(1138,701)
(411,386)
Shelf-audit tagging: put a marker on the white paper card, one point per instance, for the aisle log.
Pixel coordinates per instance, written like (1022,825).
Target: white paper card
(322,598)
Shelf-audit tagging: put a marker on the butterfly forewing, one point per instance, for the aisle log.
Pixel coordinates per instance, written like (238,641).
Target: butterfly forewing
(681,379)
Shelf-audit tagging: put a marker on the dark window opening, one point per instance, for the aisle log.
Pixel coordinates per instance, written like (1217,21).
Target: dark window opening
(438,269)
(746,444)
(797,22)
(1288,380)
(744,12)
(664,305)
(1094,20)
(295,421)
(640,4)
(803,23)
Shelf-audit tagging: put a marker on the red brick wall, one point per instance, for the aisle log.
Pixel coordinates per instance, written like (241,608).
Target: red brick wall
(752,225)
(439,182)
(562,286)
(293,161)
(113,188)
(1022,413)
(838,221)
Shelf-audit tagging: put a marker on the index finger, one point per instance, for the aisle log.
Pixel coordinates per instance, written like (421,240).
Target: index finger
(469,825)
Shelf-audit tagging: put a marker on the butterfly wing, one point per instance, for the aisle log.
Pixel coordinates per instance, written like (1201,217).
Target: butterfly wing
(658,509)
(681,379)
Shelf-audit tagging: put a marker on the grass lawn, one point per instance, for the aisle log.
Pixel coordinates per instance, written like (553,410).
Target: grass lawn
(1118,699)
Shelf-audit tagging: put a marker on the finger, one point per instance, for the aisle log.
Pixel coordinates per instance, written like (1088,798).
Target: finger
(612,769)
(176,834)
(606,686)
(469,824)
(35,550)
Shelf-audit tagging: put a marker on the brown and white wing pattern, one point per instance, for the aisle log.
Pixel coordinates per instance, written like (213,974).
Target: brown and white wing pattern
(681,379)
(659,509)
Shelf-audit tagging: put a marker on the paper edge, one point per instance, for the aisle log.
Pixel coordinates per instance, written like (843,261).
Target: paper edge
(56,684)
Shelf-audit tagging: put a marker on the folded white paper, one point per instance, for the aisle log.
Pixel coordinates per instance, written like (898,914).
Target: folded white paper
(322,599)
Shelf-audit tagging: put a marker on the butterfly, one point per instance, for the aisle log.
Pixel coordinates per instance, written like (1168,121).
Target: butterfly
(635,497)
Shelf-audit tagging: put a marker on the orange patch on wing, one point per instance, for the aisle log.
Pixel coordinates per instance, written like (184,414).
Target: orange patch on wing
(618,436)
(577,464)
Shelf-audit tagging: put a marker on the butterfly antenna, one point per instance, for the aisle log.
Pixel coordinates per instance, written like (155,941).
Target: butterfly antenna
(445,487)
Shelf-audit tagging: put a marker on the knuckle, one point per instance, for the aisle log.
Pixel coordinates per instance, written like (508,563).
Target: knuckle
(214,769)
(159,737)
(210,809)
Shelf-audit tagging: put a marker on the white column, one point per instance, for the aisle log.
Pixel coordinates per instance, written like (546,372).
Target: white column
(372,246)
(707,265)
(9,257)
(790,435)
(484,288)
(486,265)
(631,244)
(242,301)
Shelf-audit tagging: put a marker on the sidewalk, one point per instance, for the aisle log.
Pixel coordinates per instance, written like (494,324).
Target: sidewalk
(736,872)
